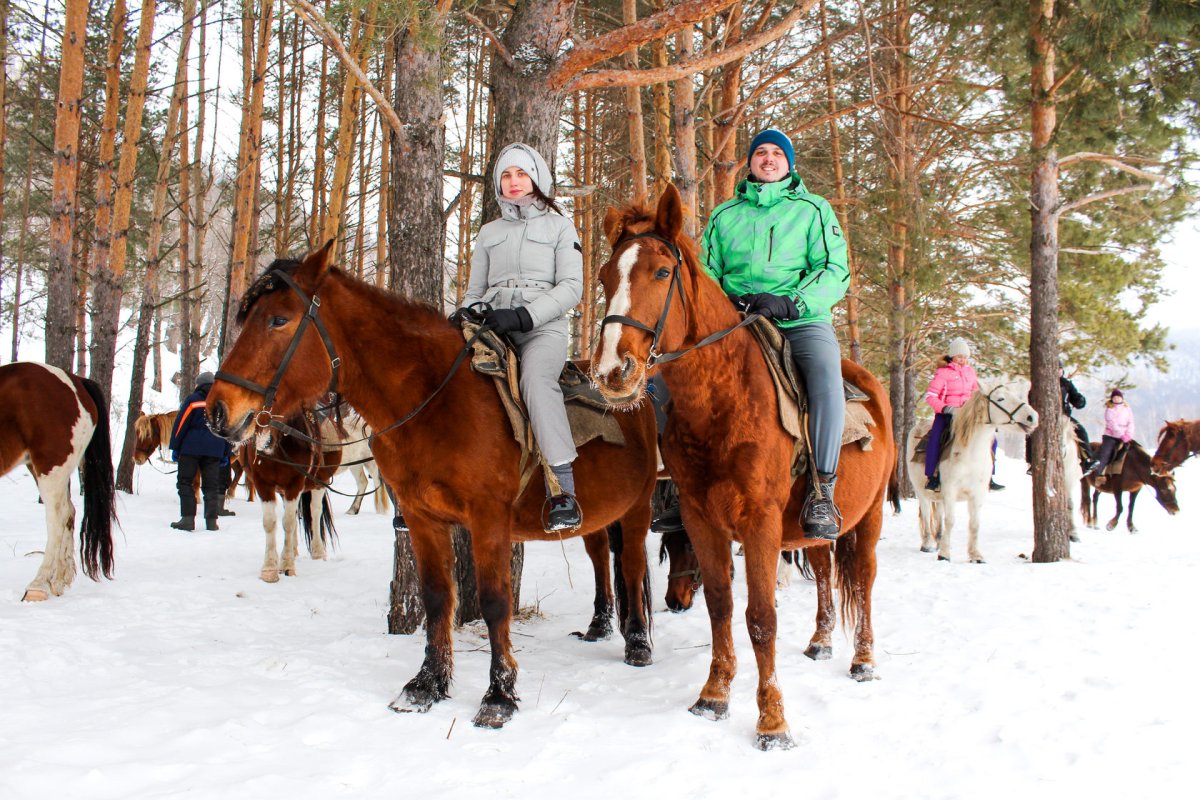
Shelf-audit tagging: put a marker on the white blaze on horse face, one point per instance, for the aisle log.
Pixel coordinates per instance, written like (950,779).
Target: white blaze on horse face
(619,304)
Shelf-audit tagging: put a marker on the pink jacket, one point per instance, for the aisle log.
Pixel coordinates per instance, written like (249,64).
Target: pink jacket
(951,386)
(1118,422)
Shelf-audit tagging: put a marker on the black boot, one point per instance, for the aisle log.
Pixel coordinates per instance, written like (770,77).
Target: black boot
(564,514)
(210,524)
(398,523)
(820,517)
(222,511)
(669,521)
(934,484)
(185,524)
(995,487)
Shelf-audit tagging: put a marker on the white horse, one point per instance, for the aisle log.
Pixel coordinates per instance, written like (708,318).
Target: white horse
(358,460)
(966,465)
(1072,471)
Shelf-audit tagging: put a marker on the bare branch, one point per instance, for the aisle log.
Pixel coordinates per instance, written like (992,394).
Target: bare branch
(1119,162)
(313,17)
(614,43)
(501,50)
(625,77)
(1066,208)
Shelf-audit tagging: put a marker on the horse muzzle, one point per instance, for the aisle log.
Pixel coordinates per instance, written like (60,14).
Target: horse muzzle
(219,423)
(622,386)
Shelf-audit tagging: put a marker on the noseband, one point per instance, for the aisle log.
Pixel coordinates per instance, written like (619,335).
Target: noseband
(263,417)
(1011,414)
(655,357)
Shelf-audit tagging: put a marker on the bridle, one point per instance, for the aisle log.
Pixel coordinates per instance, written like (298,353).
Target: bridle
(267,418)
(655,357)
(1012,415)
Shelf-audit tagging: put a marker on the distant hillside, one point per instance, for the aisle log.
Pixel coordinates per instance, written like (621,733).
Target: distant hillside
(1155,396)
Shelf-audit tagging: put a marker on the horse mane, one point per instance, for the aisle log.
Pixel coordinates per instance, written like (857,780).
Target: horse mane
(971,416)
(142,426)
(165,423)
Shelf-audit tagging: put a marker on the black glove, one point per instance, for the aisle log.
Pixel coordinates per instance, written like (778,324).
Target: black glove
(507,320)
(771,306)
(739,302)
(461,315)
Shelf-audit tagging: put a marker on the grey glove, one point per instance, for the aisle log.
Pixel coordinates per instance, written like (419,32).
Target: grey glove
(951,410)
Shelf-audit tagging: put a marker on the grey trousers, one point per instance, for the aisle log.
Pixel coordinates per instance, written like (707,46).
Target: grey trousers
(543,351)
(818,356)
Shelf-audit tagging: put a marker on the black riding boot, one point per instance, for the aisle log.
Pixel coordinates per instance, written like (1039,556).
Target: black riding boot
(185,524)
(820,517)
(669,520)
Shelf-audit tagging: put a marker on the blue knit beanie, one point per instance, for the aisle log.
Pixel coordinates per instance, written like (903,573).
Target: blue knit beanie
(779,139)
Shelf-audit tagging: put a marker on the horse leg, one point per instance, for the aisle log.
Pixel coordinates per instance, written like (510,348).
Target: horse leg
(928,522)
(1095,504)
(57,570)
(820,646)
(858,565)
(381,495)
(360,480)
(270,567)
(291,529)
(1129,519)
(600,628)
(1112,523)
(636,623)
(947,517)
(433,551)
(974,504)
(316,542)
(762,553)
(493,555)
(716,564)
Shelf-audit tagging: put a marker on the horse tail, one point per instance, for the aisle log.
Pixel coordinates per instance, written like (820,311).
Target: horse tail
(893,487)
(306,520)
(328,531)
(99,506)
(845,552)
(616,545)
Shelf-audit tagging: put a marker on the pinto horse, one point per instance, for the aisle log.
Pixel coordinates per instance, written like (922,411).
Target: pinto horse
(1135,473)
(1177,442)
(52,421)
(731,458)
(316,329)
(298,472)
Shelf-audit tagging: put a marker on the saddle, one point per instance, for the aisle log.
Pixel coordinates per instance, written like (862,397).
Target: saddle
(924,428)
(793,400)
(589,416)
(1117,465)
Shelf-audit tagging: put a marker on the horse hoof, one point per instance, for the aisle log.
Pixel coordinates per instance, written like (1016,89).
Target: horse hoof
(978,561)
(775,741)
(862,672)
(596,632)
(928,548)
(819,652)
(1110,526)
(1074,537)
(493,715)
(35,596)
(710,709)
(943,558)
(270,575)
(413,700)
(638,655)
(291,573)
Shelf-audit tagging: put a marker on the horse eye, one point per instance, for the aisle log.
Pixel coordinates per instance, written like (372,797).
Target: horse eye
(662,274)
(278,322)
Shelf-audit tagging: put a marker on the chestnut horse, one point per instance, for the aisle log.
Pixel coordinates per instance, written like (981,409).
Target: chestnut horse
(1177,442)
(1135,473)
(298,472)
(397,361)
(151,432)
(52,421)
(728,453)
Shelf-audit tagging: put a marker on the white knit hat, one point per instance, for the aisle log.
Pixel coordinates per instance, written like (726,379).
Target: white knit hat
(959,347)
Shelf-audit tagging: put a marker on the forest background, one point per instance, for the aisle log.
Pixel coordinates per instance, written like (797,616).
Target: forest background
(154,158)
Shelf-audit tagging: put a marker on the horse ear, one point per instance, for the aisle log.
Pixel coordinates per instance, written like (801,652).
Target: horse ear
(614,225)
(318,262)
(669,219)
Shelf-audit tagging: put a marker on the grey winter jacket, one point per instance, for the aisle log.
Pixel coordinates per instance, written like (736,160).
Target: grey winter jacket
(530,256)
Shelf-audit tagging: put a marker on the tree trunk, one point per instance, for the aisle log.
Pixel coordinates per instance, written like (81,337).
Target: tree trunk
(3,120)
(662,123)
(633,112)
(1051,512)
(726,162)
(685,137)
(385,176)
(317,218)
(60,289)
(111,257)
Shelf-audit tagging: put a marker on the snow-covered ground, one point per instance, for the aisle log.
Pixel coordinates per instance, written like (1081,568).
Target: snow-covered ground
(188,677)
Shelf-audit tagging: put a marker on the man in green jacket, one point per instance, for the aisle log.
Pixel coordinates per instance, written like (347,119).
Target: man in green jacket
(778,250)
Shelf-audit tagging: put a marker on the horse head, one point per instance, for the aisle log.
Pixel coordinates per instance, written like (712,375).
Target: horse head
(683,575)
(282,360)
(1172,450)
(1008,406)
(1164,492)
(146,439)
(645,292)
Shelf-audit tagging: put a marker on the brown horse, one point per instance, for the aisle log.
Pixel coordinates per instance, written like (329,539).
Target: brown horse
(52,421)
(1177,442)
(729,455)
(1135,473)
(298,473)
(394,361)
(151,432)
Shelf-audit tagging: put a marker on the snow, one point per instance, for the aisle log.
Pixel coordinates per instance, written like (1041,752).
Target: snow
(186,676)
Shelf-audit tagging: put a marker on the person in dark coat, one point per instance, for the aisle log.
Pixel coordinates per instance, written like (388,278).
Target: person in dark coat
(197,449)
(1072,399)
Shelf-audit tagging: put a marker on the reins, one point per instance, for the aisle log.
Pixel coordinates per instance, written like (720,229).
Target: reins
(654,356)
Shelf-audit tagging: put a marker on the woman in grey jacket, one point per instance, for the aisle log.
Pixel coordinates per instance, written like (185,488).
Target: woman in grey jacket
(528,266)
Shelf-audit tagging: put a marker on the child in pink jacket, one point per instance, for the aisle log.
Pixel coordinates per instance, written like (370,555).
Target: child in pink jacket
(1118,427)
(952,384)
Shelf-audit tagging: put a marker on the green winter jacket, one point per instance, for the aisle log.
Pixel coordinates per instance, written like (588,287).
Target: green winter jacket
(779,238)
